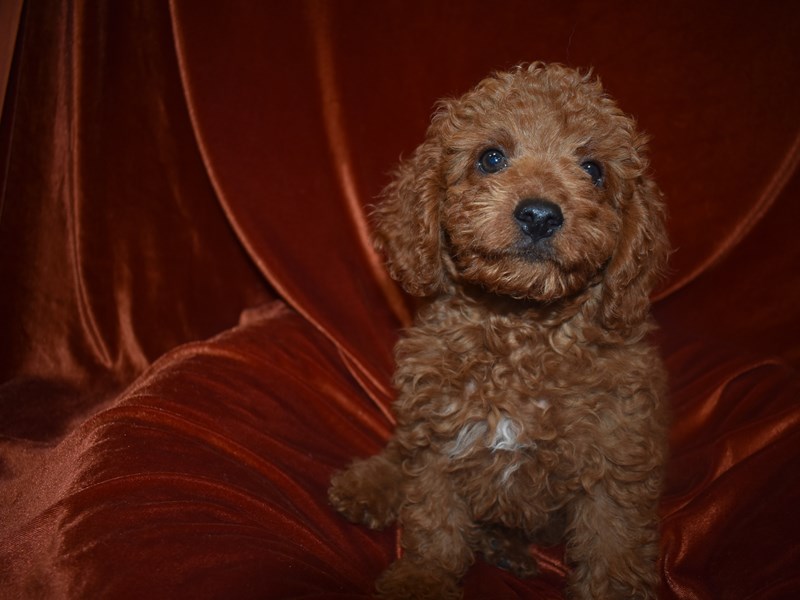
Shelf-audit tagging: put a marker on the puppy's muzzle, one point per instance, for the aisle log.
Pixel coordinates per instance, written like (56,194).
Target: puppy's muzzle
(538,219)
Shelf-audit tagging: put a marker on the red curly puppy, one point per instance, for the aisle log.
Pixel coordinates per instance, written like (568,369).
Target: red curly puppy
(530,404)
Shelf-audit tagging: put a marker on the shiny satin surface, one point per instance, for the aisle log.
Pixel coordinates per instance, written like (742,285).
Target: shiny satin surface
(196,332)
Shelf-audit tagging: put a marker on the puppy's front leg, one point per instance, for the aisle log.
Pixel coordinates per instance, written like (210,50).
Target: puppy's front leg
(368,491)
(437,534)
(613,540)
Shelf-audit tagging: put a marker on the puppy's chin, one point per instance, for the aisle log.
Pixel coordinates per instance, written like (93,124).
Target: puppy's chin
(526,275)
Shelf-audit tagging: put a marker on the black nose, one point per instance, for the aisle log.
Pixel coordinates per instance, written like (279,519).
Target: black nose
(538,219)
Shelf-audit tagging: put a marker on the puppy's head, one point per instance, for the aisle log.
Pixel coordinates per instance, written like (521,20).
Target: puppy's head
(532,185)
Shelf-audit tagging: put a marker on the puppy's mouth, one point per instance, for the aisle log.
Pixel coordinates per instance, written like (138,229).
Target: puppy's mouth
(533,270)
(523,250)
(534,252)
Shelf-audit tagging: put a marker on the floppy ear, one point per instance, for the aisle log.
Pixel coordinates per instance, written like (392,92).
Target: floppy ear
(406,219)
(639,259)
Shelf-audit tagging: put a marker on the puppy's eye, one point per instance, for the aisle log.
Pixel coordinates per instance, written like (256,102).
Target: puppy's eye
(492,161)
(595,171)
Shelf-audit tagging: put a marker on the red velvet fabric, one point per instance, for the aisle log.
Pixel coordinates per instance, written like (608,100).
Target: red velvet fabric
(196,332)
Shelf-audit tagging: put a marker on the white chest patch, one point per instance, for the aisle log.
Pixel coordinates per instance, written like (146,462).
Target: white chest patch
(505,436)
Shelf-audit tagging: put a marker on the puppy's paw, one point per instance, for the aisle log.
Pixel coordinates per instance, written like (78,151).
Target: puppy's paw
(367,492)
(374,512)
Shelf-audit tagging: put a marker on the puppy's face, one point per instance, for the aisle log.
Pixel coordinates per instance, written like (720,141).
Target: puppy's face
(532,172)
(532,185)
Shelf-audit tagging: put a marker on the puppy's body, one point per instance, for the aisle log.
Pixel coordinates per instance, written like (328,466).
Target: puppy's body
(529,402)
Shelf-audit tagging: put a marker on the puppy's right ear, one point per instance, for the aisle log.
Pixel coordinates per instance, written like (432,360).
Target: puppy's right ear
(407,229)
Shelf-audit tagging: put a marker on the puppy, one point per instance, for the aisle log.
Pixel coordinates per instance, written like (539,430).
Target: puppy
(530,404)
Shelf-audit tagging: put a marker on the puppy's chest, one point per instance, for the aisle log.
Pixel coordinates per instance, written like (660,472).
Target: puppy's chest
(498,460)
(498,432)
(510,419)
(490,436)
(498,396)
(517,400)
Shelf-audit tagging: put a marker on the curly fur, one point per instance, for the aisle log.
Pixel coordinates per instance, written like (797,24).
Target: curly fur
(530,403)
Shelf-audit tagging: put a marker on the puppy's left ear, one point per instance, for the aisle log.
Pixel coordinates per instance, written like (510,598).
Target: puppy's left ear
(639,259)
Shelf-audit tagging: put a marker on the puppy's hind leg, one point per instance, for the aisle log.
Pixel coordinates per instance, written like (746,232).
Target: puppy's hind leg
(368,491)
